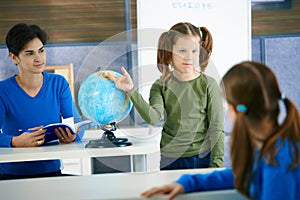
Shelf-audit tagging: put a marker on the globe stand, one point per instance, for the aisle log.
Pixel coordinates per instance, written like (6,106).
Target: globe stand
(108,139)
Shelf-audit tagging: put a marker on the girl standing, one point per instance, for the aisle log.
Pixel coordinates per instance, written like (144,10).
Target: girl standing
(188,100)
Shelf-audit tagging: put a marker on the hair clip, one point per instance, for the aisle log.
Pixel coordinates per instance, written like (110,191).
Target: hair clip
(241,108)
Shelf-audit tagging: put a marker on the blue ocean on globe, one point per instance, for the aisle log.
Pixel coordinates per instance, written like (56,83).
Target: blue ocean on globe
(101,101)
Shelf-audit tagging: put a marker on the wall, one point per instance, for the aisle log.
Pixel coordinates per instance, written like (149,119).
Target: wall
(270,21)
(66,21)
(282,54)
(279,51)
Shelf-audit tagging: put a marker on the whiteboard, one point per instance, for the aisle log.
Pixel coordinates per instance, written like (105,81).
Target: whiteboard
(228,21)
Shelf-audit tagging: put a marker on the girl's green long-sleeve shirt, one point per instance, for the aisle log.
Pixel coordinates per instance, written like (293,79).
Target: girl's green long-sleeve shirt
(193,117)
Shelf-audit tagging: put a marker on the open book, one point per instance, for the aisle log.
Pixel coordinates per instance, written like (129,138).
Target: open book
(66,124)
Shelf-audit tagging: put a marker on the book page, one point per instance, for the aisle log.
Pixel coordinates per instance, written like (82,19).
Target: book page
(82,123)
(70,122)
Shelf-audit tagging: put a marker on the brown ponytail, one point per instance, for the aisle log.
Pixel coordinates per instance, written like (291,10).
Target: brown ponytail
(164,55)
(206,47)
(241,153)
(290,129)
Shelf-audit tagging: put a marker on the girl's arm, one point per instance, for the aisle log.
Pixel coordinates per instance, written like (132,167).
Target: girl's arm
(216,180)
(151,112)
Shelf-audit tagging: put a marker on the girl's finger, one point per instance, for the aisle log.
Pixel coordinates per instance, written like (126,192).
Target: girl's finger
(125,73)
(111,76)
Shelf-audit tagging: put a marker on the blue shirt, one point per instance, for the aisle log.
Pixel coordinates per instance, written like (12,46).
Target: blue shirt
(270,182)
(18,110)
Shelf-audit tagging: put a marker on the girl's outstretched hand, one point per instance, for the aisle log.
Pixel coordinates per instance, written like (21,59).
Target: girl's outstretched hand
(172,190)
(124,82)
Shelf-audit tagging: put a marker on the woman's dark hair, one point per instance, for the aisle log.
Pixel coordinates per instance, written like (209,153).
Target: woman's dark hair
(169,38)
(254,85)
(20,34)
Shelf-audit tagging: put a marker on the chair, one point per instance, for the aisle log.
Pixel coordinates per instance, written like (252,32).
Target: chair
(66,71)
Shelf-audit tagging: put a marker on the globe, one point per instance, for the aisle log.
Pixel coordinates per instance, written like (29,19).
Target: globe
(101,101)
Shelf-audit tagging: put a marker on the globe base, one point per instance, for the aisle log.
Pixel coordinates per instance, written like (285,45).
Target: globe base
(108,140)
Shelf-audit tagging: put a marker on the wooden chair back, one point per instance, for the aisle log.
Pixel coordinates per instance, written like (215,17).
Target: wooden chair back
(66,71)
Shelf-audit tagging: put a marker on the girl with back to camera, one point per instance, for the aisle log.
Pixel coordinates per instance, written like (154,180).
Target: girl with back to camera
(188,100)
(264,150)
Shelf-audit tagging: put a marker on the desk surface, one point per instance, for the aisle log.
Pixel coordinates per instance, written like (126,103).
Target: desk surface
(141,145)
(103,186)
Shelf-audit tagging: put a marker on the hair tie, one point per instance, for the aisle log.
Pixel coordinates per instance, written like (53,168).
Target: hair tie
(282,109)
(200,32)
(168,33)
(282,96)
(241,108)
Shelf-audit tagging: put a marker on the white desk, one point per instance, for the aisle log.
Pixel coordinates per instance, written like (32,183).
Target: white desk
(140,152)
(103,186)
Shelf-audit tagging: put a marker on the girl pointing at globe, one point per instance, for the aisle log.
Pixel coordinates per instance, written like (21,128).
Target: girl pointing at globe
(188,100)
